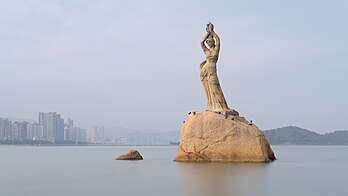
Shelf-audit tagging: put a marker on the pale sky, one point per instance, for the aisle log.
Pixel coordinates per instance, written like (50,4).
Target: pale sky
(136,63)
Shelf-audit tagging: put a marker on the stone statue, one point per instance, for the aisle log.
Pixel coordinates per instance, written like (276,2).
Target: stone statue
(216,101)
(219,134)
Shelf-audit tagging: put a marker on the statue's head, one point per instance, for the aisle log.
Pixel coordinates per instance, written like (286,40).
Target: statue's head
(210,41)
(209,27)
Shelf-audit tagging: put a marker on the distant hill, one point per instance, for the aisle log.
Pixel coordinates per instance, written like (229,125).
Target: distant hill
(292,135)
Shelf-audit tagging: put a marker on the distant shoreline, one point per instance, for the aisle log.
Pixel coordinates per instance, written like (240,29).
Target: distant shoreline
(101,145)
(285,136)
(61,145)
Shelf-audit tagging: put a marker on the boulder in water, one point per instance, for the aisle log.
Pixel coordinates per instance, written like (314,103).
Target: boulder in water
(130,155)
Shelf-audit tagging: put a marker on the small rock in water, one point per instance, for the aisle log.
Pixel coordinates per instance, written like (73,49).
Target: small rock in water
(130,155)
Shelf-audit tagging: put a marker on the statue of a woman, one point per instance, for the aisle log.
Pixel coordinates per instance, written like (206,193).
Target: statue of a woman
(208,74)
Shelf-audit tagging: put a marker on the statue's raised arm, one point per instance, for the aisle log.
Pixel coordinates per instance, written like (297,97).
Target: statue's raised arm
(204,47)
(217,41)
(211,38)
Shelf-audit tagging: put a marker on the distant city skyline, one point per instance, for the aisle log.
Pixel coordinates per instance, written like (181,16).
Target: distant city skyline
(50,127)
(135,64)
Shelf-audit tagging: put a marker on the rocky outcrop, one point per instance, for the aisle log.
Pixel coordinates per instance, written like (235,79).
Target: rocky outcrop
(209,136)
(130,155)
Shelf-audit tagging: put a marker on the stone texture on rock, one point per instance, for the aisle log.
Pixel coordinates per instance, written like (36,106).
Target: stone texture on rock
(130,155)
(209,136)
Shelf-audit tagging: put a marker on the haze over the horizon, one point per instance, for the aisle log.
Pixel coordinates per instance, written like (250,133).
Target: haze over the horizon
(136,63)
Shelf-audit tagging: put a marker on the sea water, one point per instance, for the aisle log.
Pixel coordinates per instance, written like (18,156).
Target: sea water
(92,171)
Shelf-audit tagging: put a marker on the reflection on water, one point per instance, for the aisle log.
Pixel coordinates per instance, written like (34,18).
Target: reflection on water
(223,178)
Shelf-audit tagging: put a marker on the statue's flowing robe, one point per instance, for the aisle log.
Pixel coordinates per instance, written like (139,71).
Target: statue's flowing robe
(214,95)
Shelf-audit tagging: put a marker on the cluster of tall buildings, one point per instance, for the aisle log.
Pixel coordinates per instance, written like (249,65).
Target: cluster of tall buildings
(97,134)
(51,127)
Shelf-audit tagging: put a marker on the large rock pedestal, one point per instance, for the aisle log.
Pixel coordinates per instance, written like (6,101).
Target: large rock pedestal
(209,136)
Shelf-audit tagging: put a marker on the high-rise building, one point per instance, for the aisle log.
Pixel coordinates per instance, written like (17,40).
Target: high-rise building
(66,133)
(34,131)
(70,123)
(72,133)
(16,131)
(5,128)
(19,131)
(78,134)
(23,133)
(53,125)
(97,134)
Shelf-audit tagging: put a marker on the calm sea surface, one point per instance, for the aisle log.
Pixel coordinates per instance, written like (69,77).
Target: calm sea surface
(87,171)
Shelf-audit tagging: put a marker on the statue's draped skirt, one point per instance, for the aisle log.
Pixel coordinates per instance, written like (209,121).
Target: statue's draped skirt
(214,95)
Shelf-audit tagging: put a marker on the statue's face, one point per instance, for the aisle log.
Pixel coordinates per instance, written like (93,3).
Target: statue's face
(211,43)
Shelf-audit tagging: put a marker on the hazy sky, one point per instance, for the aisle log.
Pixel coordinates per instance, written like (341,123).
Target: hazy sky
(136,63)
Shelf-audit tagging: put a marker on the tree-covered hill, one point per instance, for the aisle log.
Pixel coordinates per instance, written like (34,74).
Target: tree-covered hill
(297,136)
